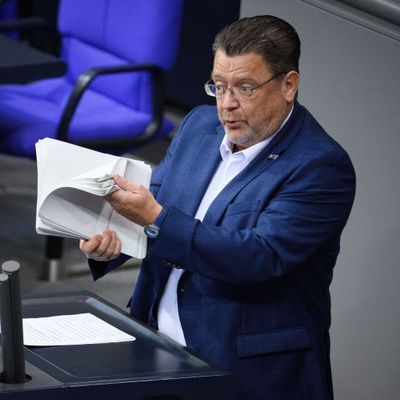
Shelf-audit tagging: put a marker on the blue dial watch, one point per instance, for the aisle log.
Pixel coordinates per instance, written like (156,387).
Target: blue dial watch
(151,231)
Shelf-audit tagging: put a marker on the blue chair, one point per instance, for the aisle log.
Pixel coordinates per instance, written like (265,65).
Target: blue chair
(110,99)
(9,11)
(116,52)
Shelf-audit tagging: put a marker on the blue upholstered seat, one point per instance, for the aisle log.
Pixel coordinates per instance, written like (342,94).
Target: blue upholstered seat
(97,103)
(115,108)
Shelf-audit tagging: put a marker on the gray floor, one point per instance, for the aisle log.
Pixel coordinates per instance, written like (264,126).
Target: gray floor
(19,240)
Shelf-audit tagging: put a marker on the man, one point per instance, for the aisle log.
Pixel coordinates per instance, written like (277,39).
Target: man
(245,214)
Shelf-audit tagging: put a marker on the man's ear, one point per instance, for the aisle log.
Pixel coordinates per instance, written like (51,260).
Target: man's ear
(290,85)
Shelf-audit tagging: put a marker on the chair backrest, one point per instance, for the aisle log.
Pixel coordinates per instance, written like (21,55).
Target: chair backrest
(9,10)
(98,33)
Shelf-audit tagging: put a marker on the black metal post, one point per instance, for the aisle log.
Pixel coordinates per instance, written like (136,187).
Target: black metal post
(12,339)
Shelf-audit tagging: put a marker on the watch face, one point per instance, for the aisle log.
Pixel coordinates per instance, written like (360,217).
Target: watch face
(151,231)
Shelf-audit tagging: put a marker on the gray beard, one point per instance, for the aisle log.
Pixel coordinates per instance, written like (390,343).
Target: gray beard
(249,137)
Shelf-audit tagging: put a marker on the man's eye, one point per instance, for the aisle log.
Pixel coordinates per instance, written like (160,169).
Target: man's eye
(219,89)
(245,90)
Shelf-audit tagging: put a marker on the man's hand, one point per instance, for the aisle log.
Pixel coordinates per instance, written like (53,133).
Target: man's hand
(105,247)
(134,202)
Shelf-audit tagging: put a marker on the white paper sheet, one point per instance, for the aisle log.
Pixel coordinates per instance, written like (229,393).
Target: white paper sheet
(70,199)
(76,329)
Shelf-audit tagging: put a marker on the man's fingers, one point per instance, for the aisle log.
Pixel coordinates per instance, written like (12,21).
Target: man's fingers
(89,246)
(104,243)
(108,247)
(102,247)
(125,184)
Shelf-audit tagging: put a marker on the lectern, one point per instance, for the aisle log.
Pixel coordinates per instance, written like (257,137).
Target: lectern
(149,368)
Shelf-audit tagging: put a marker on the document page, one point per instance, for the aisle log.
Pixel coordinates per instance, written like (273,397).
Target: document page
(72,183)
(76,329)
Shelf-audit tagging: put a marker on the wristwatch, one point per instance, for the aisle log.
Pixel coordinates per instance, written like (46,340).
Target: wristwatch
(151,231)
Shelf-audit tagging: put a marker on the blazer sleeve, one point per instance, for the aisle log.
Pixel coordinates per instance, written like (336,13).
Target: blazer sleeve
(308,211)
(101,268)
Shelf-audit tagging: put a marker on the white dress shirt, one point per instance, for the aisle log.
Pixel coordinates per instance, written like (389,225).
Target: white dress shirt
(230,166)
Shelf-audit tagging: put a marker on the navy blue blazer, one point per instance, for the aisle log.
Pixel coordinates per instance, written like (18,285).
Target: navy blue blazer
(254,297)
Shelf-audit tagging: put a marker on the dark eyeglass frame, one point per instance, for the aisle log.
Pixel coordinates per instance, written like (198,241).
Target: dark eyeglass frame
(241,92)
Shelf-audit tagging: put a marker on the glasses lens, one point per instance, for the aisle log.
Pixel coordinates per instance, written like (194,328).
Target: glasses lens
(210,89)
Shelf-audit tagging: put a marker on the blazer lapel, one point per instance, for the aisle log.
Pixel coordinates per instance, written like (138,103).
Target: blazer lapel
(202,171)
(268,156)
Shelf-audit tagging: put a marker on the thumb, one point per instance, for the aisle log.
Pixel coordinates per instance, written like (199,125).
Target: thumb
(124,184)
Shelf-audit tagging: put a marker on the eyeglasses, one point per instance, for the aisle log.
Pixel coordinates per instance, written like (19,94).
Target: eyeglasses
(241,92)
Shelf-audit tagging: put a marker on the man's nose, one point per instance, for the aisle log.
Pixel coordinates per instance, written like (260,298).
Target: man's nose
(229,100)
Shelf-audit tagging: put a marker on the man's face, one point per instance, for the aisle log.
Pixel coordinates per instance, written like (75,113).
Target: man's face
(248,121)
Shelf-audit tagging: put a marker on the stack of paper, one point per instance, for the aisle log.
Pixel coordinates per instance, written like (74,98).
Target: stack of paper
(72,182)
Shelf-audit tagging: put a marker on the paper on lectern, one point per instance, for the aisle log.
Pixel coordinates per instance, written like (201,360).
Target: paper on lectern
(72,181)
(75,329)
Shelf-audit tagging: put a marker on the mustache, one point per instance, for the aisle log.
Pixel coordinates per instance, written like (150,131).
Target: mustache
(236,115)
(227,117)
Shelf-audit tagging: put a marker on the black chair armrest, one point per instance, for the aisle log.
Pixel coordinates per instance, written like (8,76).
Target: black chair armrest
(49,39)
(84,80)
(26,24)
